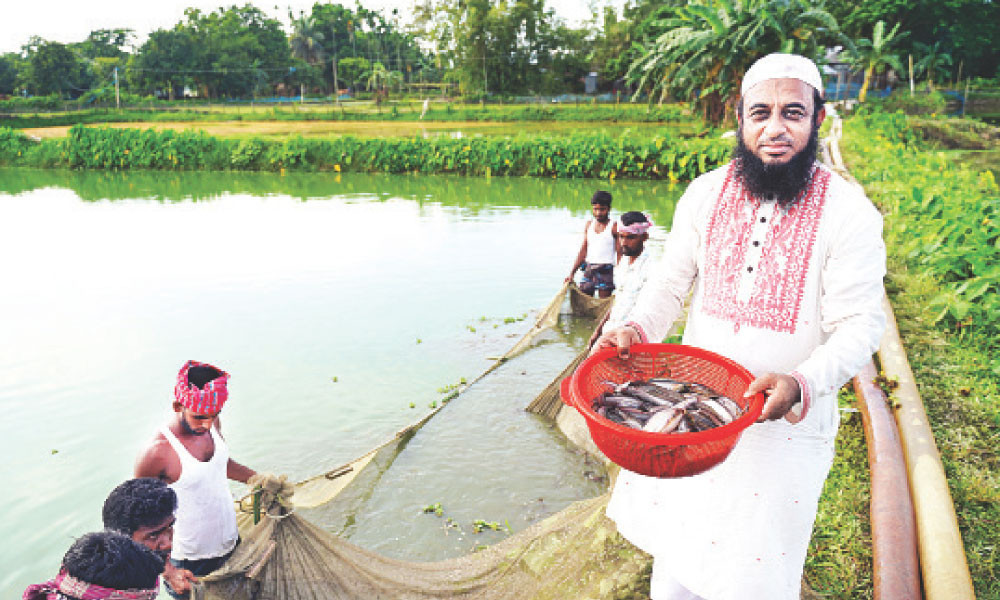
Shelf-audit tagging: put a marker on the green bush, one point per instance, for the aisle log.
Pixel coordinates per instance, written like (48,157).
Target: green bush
(942,218)
(584,155)
(920,103)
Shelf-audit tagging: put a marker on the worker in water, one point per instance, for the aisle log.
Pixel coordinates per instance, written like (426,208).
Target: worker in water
(104,565)
(190,454)
(143,509)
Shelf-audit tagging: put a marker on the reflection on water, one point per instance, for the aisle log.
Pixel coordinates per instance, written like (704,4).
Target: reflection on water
(340,305)
(471,194)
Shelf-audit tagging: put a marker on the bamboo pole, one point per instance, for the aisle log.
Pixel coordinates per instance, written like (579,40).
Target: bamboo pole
(944,569)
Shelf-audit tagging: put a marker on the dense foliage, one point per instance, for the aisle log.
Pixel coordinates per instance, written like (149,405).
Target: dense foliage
(491,47)
(702,49)
(944,220)
(966,29)
(588,155)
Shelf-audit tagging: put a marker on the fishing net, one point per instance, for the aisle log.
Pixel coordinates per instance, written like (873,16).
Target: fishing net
(575,553)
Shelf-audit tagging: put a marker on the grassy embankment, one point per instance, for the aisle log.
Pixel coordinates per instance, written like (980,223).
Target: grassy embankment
(363,120)
(595,155)
(942,230)
(356,111)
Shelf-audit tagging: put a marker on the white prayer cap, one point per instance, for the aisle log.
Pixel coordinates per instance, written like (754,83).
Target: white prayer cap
(782,66)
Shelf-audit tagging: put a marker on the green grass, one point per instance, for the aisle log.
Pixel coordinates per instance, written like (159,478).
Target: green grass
(953,360)
(839,561)
(359,111)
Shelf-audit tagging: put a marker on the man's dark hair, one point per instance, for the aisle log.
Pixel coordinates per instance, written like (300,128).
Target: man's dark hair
(141,502)
(633,216)
(601,197)
(112,560)
(199,376)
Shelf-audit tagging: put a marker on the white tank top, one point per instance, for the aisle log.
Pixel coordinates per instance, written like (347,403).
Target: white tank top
(600,246)
(206,518)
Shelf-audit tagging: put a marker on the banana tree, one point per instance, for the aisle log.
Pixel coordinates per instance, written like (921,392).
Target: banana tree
(933,62)
(873,56)
(704,47)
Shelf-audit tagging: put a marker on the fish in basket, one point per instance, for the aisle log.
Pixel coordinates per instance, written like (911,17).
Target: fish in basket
(667,410)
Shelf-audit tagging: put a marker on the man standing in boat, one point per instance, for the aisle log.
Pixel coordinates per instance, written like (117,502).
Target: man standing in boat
(599,250)
(630,272)
(190,454)
(786,261)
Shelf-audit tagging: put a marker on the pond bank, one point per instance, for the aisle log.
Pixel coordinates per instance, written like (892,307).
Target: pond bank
(576,156)
(941,232)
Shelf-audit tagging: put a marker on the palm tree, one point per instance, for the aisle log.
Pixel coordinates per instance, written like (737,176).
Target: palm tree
(705,47)
(395,79)
(935,61)
(873,56)
(377,77)
(306,40)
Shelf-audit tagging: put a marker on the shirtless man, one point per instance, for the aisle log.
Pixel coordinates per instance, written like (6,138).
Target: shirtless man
(190,455)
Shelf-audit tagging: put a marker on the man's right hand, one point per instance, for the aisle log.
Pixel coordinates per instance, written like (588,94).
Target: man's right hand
(620,337)
(179,580)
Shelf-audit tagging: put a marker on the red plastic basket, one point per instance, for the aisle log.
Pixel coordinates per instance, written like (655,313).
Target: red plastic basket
(662,454)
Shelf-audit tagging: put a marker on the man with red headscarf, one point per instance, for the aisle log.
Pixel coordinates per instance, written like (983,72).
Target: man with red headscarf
(190,455)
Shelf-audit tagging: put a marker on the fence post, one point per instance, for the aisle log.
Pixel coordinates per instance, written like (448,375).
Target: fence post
(965,98)
(911,74)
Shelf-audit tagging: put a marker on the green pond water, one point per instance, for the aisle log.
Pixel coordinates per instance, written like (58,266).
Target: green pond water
(335,302)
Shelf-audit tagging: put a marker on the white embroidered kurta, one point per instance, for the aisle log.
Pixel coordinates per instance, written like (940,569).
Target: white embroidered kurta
(795,292)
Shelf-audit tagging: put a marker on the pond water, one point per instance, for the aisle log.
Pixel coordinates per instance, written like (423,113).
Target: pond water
(341,305)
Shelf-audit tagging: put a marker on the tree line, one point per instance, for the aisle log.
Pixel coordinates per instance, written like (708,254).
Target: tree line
(673,49)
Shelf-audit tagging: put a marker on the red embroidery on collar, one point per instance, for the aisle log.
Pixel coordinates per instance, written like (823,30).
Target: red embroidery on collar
(780,278)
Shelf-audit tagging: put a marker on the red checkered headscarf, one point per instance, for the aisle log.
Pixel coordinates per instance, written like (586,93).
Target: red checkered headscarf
(67,586)
(205,401)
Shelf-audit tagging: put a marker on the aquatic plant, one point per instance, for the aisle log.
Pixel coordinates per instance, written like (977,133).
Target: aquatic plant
(590,155)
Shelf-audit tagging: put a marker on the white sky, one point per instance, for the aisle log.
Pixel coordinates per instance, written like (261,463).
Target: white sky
(69,21)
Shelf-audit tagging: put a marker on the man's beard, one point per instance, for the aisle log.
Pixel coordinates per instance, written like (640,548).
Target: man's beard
(785,181)
(631,252)
(189,430)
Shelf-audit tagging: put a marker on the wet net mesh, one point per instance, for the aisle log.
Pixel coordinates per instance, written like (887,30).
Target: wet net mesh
(576,553)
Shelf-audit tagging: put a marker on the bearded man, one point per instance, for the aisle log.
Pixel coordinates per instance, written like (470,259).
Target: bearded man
(191,456)
(786,261)
(631,271)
